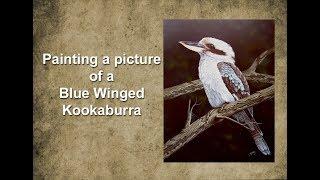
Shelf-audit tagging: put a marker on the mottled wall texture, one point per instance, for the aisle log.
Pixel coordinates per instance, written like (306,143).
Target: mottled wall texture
(131,147)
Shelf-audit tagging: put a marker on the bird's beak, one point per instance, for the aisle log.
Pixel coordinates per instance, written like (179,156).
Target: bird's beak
(193,46)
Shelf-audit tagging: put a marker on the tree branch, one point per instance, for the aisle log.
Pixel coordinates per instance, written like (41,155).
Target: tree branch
(233,120)
(258,60)
(210,119)
(190,113)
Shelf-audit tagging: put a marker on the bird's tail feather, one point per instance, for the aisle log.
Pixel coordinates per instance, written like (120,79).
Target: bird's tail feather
(257,135)
(260,142)
(247,118)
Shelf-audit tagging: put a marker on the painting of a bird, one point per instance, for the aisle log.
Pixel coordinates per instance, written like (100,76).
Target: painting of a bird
(223,82)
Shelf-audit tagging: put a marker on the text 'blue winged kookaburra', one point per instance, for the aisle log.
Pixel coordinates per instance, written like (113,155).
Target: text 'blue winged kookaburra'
(223,82)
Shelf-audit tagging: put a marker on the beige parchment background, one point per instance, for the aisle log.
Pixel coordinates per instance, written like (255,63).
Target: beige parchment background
(130,147)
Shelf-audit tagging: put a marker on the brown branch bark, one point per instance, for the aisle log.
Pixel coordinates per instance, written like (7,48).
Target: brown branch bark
(210,119)
(190,113)
(258,60)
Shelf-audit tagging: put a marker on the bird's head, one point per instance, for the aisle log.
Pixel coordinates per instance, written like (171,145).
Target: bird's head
(212,47)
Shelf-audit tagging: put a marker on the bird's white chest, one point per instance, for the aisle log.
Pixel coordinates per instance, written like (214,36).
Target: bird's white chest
(215,89)
(209,72)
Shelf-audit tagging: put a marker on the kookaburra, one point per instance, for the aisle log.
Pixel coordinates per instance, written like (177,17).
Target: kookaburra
(223,82)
